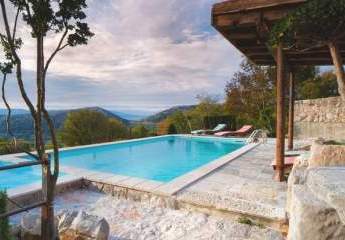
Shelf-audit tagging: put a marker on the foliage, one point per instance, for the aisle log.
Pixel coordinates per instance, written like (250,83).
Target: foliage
(194,118)
(172,129)
(87,127)
(160,116)
(247,221)
(22,123)
(4,224)
(8,147)
(316,22)
(250,96)
(139,131)
(318,86)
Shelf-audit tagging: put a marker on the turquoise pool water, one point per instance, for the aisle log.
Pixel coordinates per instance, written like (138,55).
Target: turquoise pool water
(17,177)
(161,159)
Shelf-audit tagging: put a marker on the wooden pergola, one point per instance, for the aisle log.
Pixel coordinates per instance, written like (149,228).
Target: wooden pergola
(247,25)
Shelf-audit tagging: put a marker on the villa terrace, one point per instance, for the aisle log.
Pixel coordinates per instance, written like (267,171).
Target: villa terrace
(237,186)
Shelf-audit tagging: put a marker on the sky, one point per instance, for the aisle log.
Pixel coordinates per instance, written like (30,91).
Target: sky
(145,56)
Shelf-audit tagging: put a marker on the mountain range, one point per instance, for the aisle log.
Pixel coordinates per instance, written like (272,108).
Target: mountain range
(22,123)
(155,118)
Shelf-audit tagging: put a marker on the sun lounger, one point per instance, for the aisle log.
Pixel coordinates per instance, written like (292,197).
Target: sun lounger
(218,128)
(243,131)
(288,162)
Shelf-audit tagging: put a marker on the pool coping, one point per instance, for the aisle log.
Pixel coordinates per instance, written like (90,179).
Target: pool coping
(159,188)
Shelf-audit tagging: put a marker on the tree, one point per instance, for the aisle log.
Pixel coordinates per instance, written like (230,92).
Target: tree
(208,106)
(43,17)
(316,24)
(318,86)
(139,131)
(88,127)
(250,96)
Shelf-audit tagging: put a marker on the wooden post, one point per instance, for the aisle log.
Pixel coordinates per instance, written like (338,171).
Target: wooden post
(47,214)
(291,110)
(280,133)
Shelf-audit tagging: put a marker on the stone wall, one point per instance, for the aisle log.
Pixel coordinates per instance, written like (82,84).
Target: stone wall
(324,117)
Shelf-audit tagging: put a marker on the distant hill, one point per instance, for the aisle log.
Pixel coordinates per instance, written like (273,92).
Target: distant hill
(129,116)
(14,111)
(164,114)
(22,124)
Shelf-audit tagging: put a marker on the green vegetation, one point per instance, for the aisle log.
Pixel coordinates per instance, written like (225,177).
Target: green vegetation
(8,147)
(250,95)
(87,127)
(139,131)
(4,224)
(195,118)
(247,221)
(316,24)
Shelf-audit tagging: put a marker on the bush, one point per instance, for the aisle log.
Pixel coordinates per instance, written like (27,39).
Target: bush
(8,147)
(139,131)
(172,129)
(88,127)
(4,225)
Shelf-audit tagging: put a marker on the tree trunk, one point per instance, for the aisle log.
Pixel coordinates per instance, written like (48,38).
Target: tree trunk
(47,214)
(339,69)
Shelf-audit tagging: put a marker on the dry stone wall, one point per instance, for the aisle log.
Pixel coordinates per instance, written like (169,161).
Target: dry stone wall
(324,117)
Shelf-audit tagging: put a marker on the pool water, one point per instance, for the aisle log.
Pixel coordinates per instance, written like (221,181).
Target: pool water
(17,177)
(160,159)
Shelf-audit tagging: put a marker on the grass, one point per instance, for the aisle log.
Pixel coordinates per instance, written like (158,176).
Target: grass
(248,221)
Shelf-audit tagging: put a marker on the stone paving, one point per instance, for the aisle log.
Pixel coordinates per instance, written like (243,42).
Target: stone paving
(244,185)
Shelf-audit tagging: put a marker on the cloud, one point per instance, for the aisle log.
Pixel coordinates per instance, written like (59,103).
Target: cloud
(145,55)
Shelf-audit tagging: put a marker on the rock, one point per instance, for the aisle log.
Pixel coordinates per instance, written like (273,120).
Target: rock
(324,155)
(328,184)
(30,226)
(312,218)
(82,226)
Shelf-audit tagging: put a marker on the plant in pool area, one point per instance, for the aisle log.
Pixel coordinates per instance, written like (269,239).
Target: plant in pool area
(247,221)
(316,24)
(4,225)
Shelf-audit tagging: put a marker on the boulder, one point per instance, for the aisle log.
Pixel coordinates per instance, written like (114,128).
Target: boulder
(82,226)
(325,154)
(312,218)
(30,226)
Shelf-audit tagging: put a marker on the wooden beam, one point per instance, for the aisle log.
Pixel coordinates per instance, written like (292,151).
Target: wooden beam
(291,110)
(246,5)
(280,125)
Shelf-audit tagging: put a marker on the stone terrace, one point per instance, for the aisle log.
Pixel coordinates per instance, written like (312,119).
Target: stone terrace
(243,186)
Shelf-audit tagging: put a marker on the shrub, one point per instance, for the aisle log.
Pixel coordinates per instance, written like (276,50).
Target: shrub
(4,225)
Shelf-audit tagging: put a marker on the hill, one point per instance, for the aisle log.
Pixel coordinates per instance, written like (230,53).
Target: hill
(164,114)
(129,116)
(14,111)
(22,124)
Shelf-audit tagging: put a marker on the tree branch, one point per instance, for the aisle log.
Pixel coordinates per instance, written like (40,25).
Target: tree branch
(16,59)
(15,24)
(8,117)
(58,48)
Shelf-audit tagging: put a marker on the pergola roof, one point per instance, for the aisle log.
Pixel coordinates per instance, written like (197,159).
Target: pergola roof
(247,23)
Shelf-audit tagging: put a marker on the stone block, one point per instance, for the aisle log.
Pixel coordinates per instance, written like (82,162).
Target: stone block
(82,226)
(312,218)
(324,155)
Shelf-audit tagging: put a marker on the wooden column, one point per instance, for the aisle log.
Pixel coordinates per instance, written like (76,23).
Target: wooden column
(291,110)
(280,133)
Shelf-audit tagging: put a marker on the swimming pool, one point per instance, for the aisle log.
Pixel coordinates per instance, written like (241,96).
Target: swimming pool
(161,158)
(18,177)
